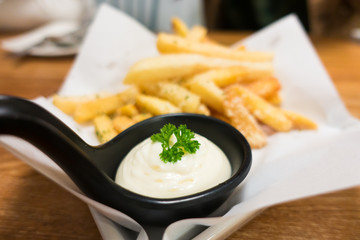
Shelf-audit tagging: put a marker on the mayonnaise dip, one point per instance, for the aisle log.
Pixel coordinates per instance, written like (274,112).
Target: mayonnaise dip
(142,171)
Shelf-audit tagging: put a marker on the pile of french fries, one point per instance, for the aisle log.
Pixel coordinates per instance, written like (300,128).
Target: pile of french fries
(196,75)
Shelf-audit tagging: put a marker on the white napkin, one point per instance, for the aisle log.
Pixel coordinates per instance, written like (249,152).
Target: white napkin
(293,165)
(29,41)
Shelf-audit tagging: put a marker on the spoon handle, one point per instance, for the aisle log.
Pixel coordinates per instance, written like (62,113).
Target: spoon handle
(27,120)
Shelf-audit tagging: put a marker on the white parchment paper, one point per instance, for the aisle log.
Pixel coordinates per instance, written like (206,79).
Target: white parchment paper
(293,165)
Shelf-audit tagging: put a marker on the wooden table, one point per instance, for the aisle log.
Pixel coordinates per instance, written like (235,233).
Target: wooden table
(32,207)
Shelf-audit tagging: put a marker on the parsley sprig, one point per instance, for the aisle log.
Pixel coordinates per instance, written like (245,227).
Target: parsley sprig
(183,144)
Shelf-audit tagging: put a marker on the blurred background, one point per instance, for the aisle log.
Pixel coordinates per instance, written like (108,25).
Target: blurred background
(319,17)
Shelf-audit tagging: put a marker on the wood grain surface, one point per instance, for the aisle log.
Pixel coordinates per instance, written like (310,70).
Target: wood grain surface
(33,207)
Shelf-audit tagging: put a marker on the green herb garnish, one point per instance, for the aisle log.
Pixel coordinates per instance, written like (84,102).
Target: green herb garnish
(183,144)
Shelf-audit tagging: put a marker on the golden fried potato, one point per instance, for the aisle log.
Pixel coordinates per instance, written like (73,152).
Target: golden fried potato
(174,66)
(179,27)
(68,104)
(122,122)
(265,87)
(262,110)
(242,120)
(209,93)
(240,48)
(299,121)
(197,34)
(274,99)
(104,128)
(141,117)
(91,109)
(221,116)
(176,94)
(155,105)
(129,110)
(224,76)
(198,75)
(106,105)
(168,43)
(203,109)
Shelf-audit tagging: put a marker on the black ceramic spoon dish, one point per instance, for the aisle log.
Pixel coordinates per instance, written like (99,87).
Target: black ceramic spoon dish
(93,168)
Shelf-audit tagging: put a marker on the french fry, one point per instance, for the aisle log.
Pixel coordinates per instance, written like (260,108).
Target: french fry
(155,105)
(209,93)
(256,71)
(262,110)
(299,121)
(141,117)
(198,75)
(106,105)
(221,116)
(179,27)
(178,95)
(175,66)
(223,77)
(203,109)
(91,109)
(168,43)
(121,123)
(265,87)
(242,120)
(104,128)
(68,104)
(197,34)
(226,76)
(240,48)
(274,99)
(129,110)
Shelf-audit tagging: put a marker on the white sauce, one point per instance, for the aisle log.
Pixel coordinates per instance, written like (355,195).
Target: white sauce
(142,171)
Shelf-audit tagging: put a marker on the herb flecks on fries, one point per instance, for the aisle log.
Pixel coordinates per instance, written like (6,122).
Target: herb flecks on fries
(196,75)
